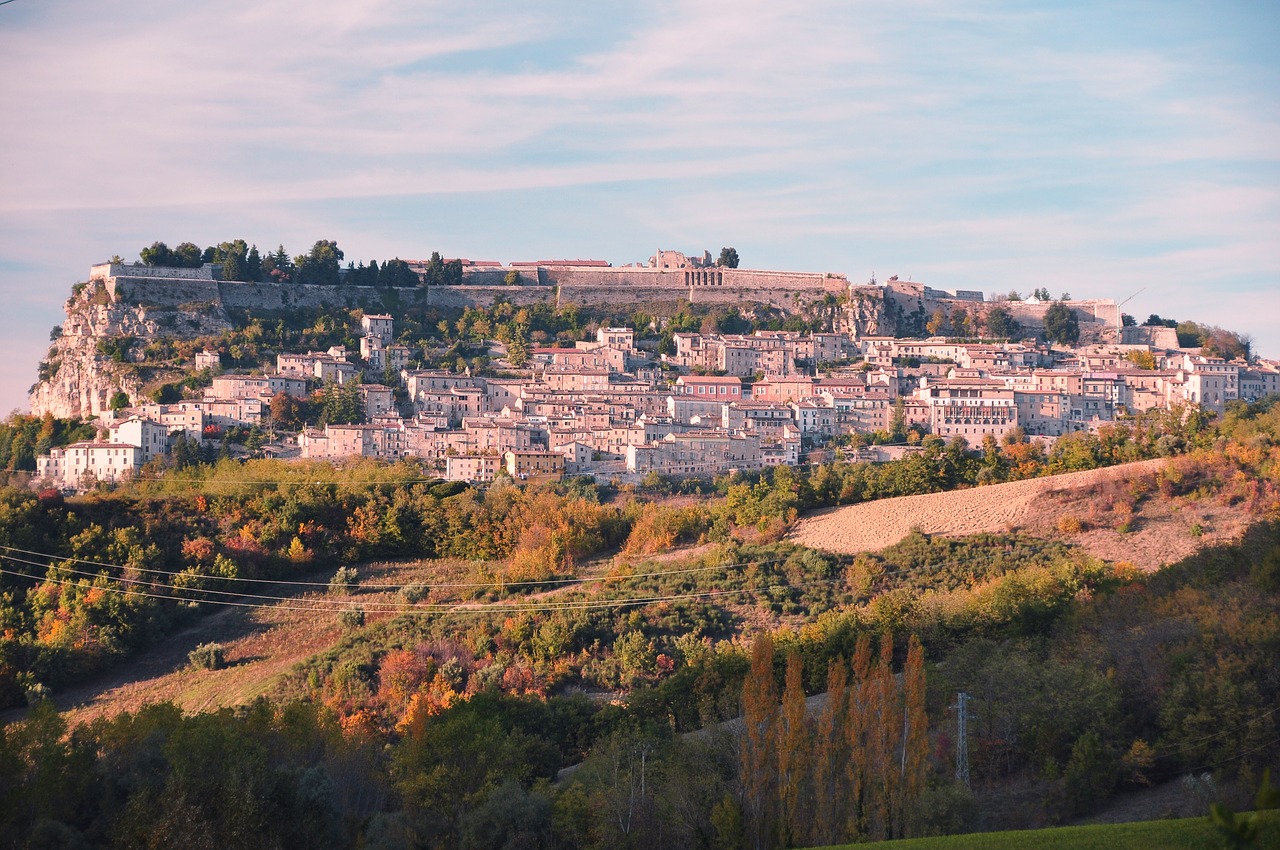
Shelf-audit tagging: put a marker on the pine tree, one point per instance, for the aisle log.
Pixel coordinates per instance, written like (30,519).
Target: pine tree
(759,754)
(253,265)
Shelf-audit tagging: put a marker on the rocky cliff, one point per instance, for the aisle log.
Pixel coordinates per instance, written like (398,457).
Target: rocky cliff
(102,342)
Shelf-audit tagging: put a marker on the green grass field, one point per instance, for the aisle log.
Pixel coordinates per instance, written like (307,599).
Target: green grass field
(1184,834)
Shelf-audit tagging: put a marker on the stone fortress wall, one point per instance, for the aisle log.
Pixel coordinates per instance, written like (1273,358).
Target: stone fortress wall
(668,278)
(910,296)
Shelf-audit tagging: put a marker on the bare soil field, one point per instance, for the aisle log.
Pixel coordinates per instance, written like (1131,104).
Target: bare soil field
(1159,532)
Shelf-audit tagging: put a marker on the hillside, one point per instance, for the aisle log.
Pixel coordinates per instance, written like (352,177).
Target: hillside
(1158,533)
(264,643)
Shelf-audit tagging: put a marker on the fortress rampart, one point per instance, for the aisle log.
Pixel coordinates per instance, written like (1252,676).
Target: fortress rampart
(607,285)
(579,284)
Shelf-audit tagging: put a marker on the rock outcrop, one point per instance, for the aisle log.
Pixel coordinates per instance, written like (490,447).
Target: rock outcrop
(101,344)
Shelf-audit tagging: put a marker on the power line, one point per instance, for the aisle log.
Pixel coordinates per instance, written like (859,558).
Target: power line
(1186,745)
(450,585)
(459,608)
(324,602)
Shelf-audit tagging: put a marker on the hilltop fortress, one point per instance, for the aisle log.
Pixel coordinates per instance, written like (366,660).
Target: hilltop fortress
(137,304)
(668,277)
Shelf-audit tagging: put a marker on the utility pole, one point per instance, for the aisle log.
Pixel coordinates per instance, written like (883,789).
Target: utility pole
(962,737)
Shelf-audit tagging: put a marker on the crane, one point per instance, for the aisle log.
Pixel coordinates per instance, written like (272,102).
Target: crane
(1131,297)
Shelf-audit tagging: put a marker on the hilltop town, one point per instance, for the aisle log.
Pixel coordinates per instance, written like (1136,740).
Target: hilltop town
(819,365)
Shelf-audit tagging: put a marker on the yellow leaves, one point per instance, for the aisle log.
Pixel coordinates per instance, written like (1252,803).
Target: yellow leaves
(298,553)
(659,527)
(359,725)
(53,630)
(365,524)
(1070,524)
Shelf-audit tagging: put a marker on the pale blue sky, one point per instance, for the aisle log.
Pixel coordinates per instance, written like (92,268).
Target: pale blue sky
(1097,148)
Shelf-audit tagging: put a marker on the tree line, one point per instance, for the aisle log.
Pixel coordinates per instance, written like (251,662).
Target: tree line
(320,266)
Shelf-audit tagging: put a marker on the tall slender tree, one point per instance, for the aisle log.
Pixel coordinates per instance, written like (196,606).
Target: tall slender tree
(759,746)
(915,728)
(830,755)
(856,731)
(794,755)
(889,740)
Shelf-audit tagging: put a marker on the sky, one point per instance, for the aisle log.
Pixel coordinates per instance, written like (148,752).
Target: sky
(1105,149)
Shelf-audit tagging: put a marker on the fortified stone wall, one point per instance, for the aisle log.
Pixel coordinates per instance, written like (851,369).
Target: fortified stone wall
(1101,311)
(485,295)
(1099,318)
(208,271)
(150,292)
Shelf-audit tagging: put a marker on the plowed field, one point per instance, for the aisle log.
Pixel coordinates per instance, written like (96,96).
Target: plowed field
(871,526)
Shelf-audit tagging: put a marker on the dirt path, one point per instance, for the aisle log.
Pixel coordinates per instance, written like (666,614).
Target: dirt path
(871,526)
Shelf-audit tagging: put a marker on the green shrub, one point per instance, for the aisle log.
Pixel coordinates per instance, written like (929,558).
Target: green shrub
(343,581)
(352,618)
(208,656)
(414,593)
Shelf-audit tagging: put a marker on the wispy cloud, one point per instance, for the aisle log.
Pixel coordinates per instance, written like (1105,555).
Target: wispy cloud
(982,145)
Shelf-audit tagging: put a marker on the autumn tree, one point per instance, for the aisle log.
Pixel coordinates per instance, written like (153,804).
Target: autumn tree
(794,755)
(857,726)
(277,266)
(830,756)
(759,746)
(915,737)
(883,734)
(936,322)
(287,411)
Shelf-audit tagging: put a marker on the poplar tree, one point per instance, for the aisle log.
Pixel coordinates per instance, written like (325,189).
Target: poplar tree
(856,729)
(759,747)
(888,740)
(915,744)
(794,754)
(830,755)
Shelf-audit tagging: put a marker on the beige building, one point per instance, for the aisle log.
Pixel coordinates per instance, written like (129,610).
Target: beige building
(525,465)
(151,437)
(79,465)
(969,407)
(479,469)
